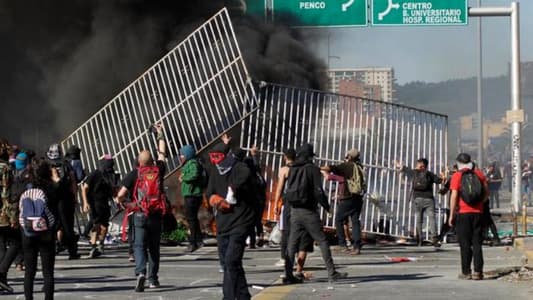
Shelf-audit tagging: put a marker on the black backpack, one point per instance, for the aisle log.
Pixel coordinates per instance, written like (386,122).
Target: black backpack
(472,190)
(203,179)
(21,182)
(422,181)
(296,188)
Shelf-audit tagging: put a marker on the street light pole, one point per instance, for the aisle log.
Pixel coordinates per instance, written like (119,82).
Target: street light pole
(479,95)
(515,116)
(516,106)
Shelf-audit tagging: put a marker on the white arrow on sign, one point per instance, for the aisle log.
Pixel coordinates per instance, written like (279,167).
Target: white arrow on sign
(347,4)
(391,5)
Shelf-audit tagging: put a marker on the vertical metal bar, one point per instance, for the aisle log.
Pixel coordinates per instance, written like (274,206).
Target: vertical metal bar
(224,33)
(283,115)
(372,173)
(202,107)
(221,58)
(403,157)
(135,118)
(415,133)
(480,93)
(184,84)
(186,103)
(141,114)
(318,113)
(398,181)
(289,125)
(367,161)
(129,117)
(170,132)
(516,126)
(231,34)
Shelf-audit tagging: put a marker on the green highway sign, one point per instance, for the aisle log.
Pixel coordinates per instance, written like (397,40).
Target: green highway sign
(256,8)
(419,12)
(325,13)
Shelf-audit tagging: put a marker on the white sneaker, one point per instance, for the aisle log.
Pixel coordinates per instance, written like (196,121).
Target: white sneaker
(280,263)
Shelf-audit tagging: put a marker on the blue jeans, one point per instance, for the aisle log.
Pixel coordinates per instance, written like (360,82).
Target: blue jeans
(147,236)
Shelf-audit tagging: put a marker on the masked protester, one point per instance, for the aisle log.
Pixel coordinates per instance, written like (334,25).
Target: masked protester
(303,193)
(258,195)
(192,185)
(306,242)
(97,191)
(67,189)
(229,192)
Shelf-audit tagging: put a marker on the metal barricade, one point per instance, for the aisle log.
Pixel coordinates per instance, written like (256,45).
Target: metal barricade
(385,133)
(198,90)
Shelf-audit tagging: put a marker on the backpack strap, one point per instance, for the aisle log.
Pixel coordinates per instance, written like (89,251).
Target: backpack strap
(135,191)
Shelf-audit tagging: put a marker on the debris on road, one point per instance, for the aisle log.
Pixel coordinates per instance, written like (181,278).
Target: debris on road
(400,259)
(511,274)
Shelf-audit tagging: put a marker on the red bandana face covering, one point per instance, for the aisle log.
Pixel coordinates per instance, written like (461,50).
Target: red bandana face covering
(216,157)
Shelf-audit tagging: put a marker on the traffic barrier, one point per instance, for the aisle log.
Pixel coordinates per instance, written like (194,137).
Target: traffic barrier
(385,133)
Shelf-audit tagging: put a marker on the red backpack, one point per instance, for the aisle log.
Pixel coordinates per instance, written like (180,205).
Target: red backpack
(147,195)
(147,192)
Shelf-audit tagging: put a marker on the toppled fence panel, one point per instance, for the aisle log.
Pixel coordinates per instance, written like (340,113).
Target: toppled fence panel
(385,133)
(198,90)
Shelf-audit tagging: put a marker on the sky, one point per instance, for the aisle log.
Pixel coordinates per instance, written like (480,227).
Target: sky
(429,54)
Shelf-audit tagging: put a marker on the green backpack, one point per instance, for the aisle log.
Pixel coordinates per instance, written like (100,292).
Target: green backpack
(356,184)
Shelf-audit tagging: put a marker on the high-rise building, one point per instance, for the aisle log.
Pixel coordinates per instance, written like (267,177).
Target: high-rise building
(382,77)
(351,87)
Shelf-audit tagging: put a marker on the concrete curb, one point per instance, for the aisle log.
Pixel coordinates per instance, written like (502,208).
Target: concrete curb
(525,245)
(275,292)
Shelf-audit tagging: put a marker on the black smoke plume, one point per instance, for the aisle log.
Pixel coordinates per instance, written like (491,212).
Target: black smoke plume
(63,59)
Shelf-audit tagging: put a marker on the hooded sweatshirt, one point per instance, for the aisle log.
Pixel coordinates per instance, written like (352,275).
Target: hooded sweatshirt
(101,184)
(231,172)
(316,194)
(191,177)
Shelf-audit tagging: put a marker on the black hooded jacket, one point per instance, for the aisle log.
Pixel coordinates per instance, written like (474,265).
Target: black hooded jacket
(241,216)
(314,178)
(315,192)
(102,184)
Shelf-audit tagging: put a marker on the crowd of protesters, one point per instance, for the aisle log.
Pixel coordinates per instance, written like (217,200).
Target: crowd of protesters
(39,199)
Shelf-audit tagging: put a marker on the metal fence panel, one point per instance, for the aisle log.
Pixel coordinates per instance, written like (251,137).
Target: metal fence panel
(385,133)
(198,90)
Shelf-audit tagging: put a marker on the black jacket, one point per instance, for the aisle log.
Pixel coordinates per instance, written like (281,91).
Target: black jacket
(241,216)
(315,192)
(432,178)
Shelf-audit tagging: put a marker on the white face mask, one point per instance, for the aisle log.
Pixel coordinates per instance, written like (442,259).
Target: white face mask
(461,166)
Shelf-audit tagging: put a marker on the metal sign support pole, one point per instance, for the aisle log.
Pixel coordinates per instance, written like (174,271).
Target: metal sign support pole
(516,111)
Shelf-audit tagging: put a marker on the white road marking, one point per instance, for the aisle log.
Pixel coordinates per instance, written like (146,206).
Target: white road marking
(197,281)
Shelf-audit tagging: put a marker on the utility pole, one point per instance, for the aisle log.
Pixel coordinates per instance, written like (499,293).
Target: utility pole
(515,116)
(480,158)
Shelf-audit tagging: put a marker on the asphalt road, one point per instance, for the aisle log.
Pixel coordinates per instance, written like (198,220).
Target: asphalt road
(371,276)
